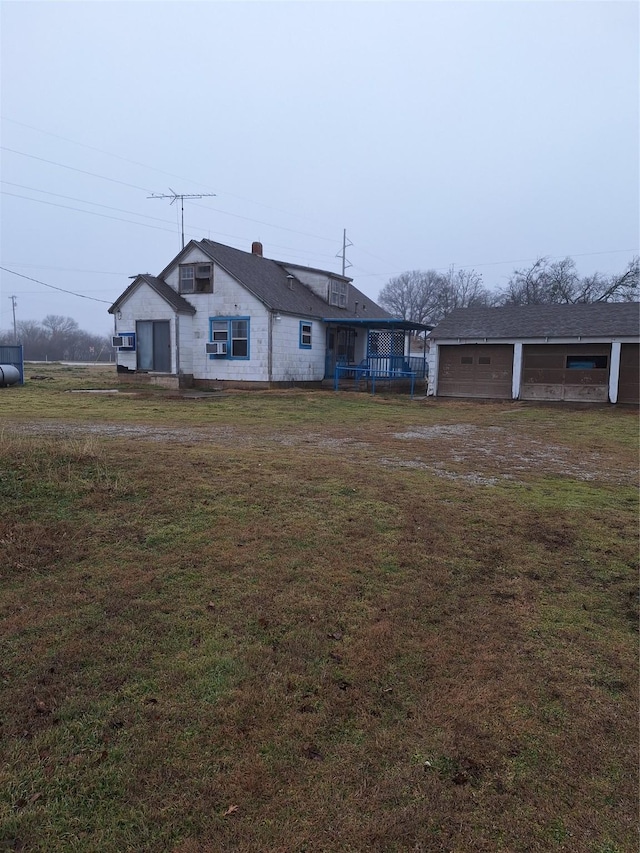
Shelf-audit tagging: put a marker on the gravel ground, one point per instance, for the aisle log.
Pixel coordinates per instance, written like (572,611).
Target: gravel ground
(480,455)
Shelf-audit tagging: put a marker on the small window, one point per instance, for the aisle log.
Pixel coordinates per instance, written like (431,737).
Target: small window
(220,331)
(305,335)
(484,359)
(203,270)
(239,339)
(187,279)
(466,359)
(587,362)
(233,332)
(338,293)
(196,278)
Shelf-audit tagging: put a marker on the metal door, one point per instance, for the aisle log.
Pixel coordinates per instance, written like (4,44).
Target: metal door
(161,346)
(153,339)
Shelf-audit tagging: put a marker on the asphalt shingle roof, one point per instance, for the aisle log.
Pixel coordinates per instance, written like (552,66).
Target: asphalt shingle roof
(269,281)
(178,302)
(599,319)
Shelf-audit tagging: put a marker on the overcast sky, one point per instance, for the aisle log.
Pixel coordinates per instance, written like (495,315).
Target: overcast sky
(479,134)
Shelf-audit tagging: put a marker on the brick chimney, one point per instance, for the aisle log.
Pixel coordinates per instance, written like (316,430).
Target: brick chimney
(256,249)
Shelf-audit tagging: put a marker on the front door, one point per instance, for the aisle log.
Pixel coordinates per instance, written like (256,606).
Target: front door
(153,339)
(340,348)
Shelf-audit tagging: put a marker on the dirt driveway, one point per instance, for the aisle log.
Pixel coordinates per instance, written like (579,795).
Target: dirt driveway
(476,454)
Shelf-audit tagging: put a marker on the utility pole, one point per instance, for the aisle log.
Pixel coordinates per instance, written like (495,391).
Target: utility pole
(13,306)
(343,254)
(174,196)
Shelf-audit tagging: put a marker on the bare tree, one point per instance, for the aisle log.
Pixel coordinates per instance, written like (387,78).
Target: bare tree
(461,289)
(545,282)
(58,338)
(428,296)
(413,295)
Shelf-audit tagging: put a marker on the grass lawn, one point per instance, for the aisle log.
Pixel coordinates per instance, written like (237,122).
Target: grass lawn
(296,621)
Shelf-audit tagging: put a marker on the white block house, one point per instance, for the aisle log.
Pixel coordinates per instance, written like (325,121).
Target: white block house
(217,315)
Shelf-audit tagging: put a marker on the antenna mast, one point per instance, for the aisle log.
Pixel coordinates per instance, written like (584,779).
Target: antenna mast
(343,254)
(174,196)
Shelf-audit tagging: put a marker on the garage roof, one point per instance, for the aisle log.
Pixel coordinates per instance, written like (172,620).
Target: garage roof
(599,319)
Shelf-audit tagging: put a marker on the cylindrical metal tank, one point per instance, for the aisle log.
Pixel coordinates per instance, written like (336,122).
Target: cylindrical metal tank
(9,375)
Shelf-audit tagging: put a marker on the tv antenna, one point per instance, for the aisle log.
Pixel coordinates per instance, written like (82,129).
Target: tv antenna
(174,196)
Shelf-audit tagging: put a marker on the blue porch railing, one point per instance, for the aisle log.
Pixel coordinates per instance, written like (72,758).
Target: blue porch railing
(389,368)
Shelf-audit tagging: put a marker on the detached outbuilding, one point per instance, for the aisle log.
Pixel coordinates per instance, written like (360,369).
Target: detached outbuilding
(576,353)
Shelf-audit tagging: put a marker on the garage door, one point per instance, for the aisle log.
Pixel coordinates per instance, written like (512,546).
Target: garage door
(629,382)
(476,370)
(569,372)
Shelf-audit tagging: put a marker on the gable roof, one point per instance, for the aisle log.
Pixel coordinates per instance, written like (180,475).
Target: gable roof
(177,302)
(598,319)
(271,283)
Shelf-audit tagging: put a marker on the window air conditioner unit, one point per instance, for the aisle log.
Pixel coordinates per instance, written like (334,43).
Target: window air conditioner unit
(217,348)
(122,341)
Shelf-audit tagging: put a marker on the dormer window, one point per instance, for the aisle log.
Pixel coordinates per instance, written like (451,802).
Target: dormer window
(196,278)
(338,293)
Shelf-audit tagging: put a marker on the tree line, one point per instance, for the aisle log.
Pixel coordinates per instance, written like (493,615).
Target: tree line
(57,338)
(428,296)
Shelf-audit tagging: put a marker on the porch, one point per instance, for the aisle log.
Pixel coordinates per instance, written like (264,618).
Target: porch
(378,358)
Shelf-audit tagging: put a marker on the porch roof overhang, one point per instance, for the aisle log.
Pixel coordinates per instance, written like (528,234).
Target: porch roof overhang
(379,323)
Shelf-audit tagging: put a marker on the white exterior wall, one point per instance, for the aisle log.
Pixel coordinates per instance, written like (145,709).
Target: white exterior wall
(195,256)
(290,362)
(185,343)
(318,282)
(230,300)
(143,304)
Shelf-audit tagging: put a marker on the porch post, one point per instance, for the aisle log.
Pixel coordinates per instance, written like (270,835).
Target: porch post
(614,371)
(433,373)
(516,377)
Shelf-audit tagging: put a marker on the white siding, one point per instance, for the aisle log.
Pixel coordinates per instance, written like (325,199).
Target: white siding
(290,362)
(316,281)
(143,304)
(194,256)
(229,299)
(185,343)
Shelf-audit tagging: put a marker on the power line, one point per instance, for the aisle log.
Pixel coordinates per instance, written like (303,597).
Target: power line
(151,168)
(74,169)
(191,228)
(53,287)
(90,212)
(134,186)
(83,201)
(93,148)
(65,269)
(261,222)
(516,261)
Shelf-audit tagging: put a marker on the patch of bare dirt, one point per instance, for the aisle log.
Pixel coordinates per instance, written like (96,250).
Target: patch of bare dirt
(512,453)
(479,455)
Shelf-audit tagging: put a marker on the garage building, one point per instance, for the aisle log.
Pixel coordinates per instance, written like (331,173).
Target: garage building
(576,353)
